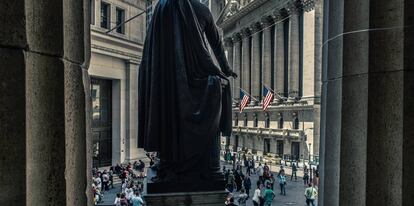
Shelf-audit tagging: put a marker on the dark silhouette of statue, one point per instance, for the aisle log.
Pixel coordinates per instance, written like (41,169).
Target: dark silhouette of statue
(184,99)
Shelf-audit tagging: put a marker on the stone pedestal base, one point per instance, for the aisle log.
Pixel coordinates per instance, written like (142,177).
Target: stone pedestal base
(214,183)
(213,198)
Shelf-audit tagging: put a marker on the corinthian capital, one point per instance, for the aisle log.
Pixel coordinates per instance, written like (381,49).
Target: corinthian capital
(236,37)
(256,27)
(267,20)
(246,32)
(294,7)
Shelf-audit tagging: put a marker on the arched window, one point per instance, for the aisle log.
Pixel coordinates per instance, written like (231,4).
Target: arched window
(267,120)
(245,120)
(255,120)
(280,121)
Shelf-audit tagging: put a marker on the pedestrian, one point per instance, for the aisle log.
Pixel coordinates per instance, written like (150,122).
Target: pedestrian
(294,169)
(247,185)
(310,195)
(316,177)
(238,179)
(105,181)
(234,160)
(268,196)
(141,168)
(280,170)
(259,171)
(98,182)
(282,182)
(305,177)
(231,202)
(272,178)
(123,201)
(269,181)
(242,197)
(117,201)
(129,192)
(253,165)
(266,171)
(137,200)
(124,186)
(257,195)
(111,178)
(230,181)
(248,165)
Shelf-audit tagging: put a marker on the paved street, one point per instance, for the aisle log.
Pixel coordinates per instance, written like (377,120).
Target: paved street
(294,189)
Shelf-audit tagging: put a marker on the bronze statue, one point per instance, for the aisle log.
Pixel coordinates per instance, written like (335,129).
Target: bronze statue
(182,104)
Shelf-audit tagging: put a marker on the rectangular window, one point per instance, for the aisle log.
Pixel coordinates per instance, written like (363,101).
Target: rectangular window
(92,11)
(105,15)
(120,18)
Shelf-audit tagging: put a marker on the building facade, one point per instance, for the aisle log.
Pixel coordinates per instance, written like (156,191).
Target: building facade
(271,43)
(113,69)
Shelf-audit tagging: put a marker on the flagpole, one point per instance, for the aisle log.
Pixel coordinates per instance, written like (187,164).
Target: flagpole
(280,97)
(248,94)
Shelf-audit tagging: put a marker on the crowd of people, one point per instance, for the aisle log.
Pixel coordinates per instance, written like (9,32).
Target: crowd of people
(102,181)
(267,184)
(131,187)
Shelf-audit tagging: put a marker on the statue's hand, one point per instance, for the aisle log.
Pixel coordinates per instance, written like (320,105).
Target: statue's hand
(231,73)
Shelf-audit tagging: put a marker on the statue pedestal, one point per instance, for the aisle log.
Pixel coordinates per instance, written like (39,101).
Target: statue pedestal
(186,193)
(215,183)
(212,198)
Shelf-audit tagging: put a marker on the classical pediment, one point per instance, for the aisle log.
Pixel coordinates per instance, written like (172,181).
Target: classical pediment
(237,8)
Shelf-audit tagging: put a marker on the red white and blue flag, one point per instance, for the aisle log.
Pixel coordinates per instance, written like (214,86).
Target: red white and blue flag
(268,97)
(244,99)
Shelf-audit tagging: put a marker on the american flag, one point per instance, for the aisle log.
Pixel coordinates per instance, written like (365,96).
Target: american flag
(245,99)
(268,97)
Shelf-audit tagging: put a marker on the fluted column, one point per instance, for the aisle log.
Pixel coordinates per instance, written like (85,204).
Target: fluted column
(237,64)
(367,112)
(44,55)
(267,52)
(246,60)
(228,43)
(294,52)
(279,56)
(256,62)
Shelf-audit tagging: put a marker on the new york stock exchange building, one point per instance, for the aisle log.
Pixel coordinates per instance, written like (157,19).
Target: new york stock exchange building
(274,46)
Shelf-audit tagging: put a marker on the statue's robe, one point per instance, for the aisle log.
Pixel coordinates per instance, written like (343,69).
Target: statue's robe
(182,105)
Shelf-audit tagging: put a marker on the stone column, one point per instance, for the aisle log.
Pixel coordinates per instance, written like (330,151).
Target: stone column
(267,52)
(44,134)
(279,56)
(13,40)
(256,63)
(131,119)
(294,52)
(368,95)
(228,43)
(237,65)
(317,73)
(245,67)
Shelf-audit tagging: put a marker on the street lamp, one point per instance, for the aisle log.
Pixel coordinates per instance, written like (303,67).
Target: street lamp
(310,165)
